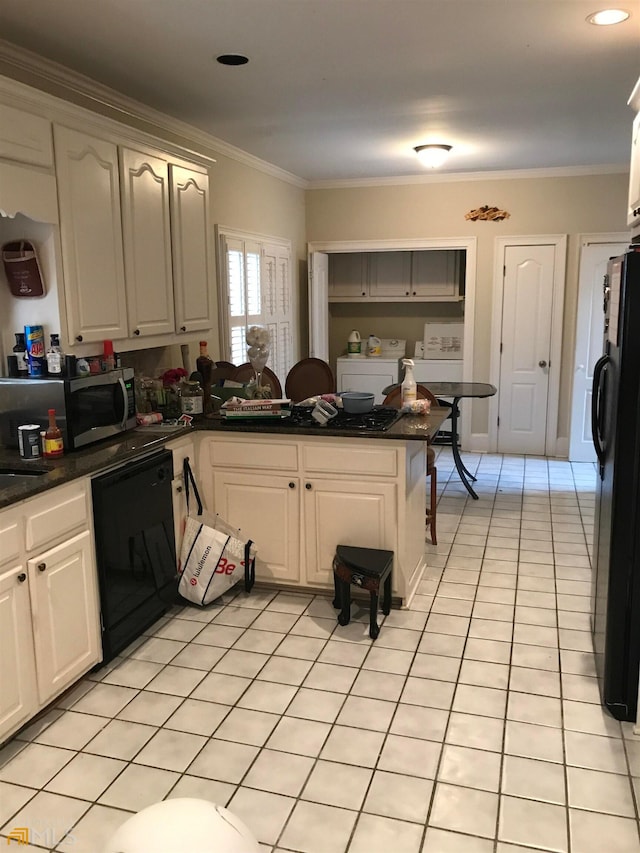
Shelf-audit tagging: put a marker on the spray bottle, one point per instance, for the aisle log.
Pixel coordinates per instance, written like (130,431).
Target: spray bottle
(409,388)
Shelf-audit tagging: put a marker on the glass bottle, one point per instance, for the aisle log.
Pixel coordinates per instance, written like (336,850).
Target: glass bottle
(20,349)
(55,356)
(53,443)
(204,366)
(191,398)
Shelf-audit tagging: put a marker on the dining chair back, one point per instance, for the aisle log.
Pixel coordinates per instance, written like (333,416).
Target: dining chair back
(308,377)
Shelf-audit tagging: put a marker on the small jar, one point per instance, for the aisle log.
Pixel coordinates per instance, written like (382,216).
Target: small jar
(191,398)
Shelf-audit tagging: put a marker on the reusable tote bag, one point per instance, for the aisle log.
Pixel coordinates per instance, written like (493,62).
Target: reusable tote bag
(214,555)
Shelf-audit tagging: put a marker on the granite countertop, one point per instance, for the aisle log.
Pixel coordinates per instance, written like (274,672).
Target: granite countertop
(146,440)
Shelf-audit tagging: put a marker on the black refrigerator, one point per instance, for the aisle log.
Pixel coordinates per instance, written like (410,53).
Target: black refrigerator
(615,402)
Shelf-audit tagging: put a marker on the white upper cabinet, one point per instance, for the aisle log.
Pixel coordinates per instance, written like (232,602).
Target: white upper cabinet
(191,242)
(348,275)
(25,137)
(91,236)
(147,243)
(390,274)
(434,274)
(633,213)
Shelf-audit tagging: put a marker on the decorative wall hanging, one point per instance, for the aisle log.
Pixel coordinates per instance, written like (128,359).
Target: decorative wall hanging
(22,269)
(488,213)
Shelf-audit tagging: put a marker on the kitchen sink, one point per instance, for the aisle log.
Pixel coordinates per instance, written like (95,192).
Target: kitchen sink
(13,471)
(13,475)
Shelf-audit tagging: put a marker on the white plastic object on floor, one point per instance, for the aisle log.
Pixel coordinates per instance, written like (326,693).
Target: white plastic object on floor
(183,825)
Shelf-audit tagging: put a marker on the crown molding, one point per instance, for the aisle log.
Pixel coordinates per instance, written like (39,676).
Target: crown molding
(456,177)
(17,60)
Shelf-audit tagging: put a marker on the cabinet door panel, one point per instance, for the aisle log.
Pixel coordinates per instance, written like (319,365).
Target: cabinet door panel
(66,617)
(192,267)
(338,513)
(389,274)
(25,137)
(91,236)
(147,243)
(18,694)
(266,509)
(434,273)
(347,274)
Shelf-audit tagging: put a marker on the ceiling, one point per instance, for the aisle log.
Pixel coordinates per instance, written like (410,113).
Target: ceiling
(344,89)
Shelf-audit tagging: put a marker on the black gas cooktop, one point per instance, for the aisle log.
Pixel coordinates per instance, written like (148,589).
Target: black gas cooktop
(380,418)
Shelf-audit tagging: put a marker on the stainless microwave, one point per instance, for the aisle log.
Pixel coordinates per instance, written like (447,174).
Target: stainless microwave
(88,408)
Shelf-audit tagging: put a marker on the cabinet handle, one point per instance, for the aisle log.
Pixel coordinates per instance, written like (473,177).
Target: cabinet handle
(22,577)
(415,293)
(137,332)
(406,293)
(364,293)
(42,567)
(183,328)
(179,489)
(292,485)
(79,338)
(308,486)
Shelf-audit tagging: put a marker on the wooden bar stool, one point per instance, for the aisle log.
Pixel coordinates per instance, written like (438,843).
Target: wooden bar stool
(367,568)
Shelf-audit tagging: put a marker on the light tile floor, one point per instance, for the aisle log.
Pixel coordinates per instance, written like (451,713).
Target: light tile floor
(472,725)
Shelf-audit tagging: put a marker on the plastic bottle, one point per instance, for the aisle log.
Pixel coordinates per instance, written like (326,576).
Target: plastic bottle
(374,346)
(55,357)
(20,349)
(354,345)
(409,387)
(108,358)
(82,367)
(53,443)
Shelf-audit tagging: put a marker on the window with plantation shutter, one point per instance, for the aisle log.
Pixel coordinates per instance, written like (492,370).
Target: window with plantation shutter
(255,289)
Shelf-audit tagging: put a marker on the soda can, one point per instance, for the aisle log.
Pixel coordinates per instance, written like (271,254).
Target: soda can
(34,339)
(29,441)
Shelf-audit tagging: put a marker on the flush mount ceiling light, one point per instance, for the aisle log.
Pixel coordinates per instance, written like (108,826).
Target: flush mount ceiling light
(607,17)
(232,59)
(433,155)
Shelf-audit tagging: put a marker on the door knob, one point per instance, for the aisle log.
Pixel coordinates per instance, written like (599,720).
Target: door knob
(42,567)
(308,486)
(542,363)
(292,485)
(22,577)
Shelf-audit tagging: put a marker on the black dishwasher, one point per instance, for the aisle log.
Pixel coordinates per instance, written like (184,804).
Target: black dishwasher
(135,548)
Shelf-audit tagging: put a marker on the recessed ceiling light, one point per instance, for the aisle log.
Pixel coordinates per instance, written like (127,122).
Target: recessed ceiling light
(433,155)
(232,59)
(607,17)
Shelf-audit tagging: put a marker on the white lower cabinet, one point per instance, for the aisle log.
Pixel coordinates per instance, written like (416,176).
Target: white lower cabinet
(63,601)
(346,513)
(267,509)
(18,690)
(299,499)
(49,610)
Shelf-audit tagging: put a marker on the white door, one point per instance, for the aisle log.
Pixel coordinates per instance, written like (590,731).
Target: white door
(525,348)
(589,331)
(319,305)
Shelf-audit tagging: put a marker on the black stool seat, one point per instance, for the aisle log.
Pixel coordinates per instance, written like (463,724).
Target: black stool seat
(367,568)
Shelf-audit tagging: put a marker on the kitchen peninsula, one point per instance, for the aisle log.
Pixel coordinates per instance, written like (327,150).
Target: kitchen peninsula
(296,491)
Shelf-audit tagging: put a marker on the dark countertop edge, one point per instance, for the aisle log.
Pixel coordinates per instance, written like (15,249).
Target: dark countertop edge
(135,444)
